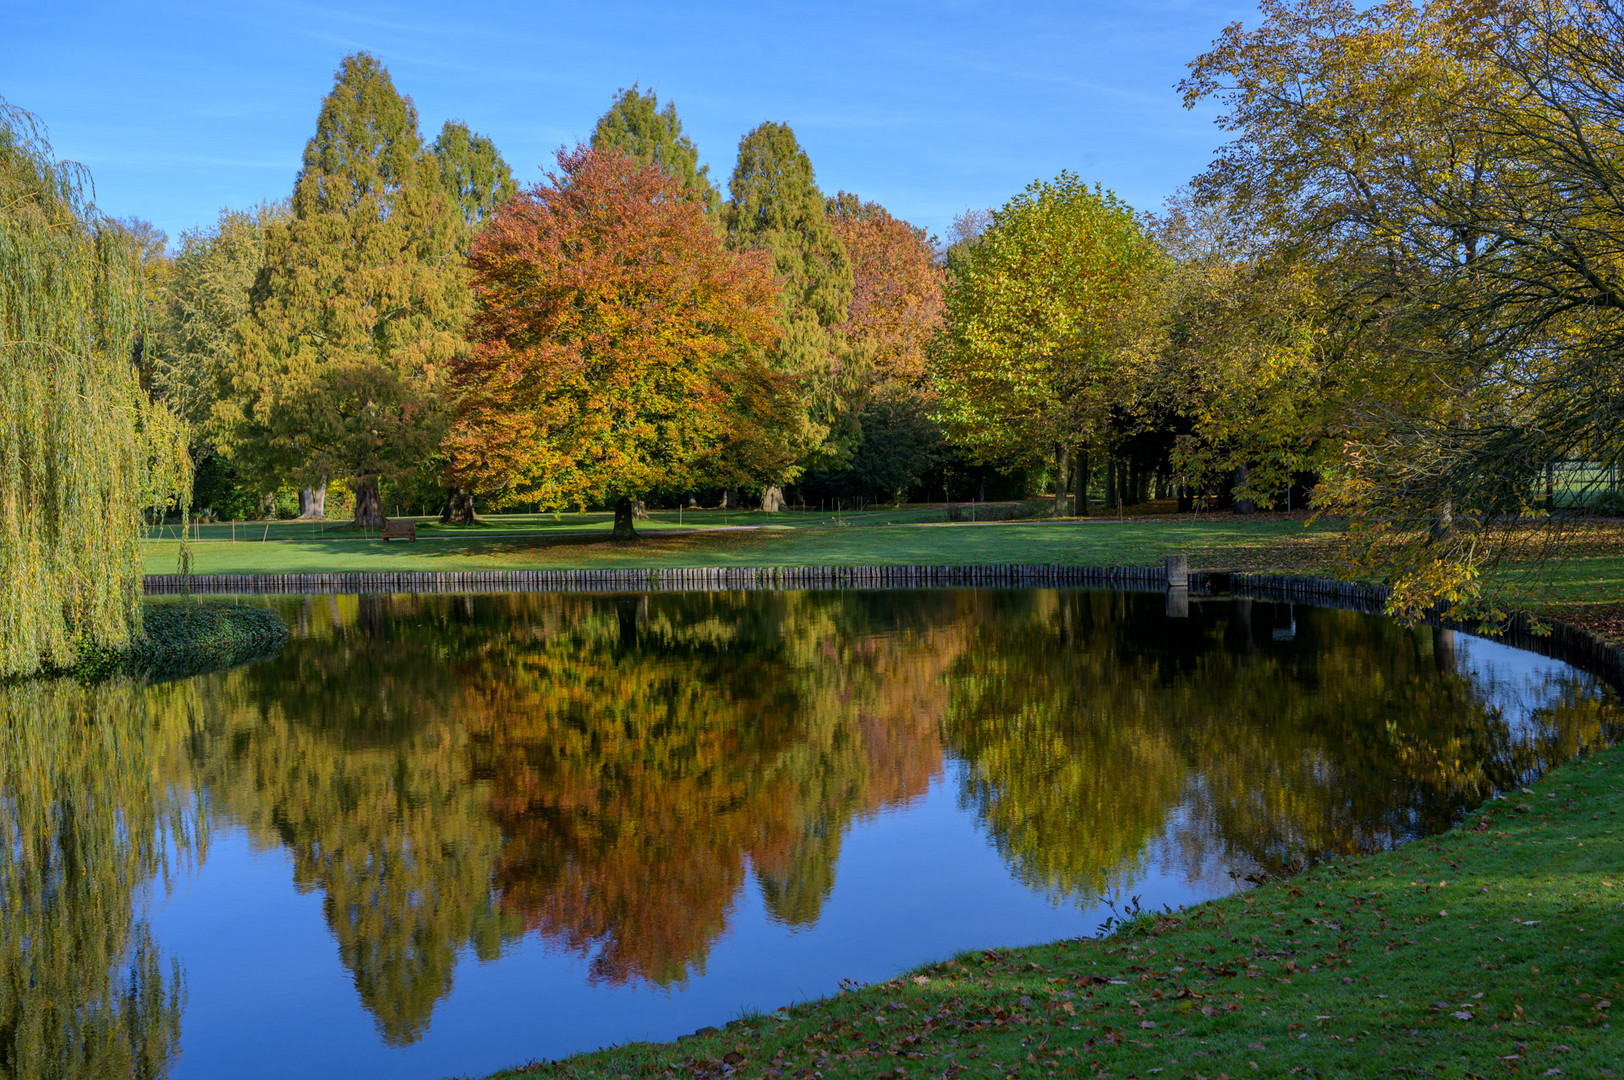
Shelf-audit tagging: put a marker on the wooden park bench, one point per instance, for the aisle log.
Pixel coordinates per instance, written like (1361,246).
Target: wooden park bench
(395,529)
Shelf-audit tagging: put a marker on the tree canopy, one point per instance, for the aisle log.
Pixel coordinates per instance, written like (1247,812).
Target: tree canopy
(636,125)
(896,303)
(615,338)
(359,312)
(84,453)
(473,172)
(1451,172)
(1037,309)
(776,208)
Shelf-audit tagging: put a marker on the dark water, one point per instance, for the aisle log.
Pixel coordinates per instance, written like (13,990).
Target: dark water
(443,835)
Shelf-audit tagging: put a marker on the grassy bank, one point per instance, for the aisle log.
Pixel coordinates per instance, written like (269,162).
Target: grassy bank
(768,541)
(184,637)
(1494,950)
(1580,579)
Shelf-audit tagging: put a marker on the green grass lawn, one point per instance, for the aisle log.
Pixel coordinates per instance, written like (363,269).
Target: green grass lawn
(890,537)
(1580,579)
(494,525)
(1494,950)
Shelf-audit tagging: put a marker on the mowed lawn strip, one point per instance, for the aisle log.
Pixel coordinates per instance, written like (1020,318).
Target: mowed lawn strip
(1211,542)
(1579,578)
(1496,950)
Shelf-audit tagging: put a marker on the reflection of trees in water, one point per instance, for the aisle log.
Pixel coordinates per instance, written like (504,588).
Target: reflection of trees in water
(86,826)
(346,752)
(645,752)
(610,772)
(1066,760)
(1349,734)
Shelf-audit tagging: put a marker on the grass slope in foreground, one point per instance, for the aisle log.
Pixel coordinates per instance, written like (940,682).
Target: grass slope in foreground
(1494,950)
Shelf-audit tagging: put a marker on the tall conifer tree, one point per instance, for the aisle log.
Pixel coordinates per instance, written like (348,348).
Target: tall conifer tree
(776,207)
(479,181)
(360,308)
(473,172)
(635,125)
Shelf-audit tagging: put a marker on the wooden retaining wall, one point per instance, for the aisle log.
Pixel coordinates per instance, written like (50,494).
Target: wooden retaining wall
(705,578)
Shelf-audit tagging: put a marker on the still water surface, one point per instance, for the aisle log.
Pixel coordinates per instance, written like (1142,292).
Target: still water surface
(440,835)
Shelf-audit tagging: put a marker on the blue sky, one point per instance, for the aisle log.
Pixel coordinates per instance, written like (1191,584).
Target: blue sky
(928,108)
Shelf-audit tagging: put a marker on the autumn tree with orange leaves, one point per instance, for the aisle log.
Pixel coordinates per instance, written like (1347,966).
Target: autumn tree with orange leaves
(616,343)
(896,302)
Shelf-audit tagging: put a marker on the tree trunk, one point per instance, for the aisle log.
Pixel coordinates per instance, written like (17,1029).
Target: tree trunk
(459,508)
(1242,505)
(623,520)
(1444,523)
(313,502)
(368,507)
(730,499)
(639,510)
(1110,482)
(1082,483)
(632,614)
(1062,474)
(1443,650)
(772,499)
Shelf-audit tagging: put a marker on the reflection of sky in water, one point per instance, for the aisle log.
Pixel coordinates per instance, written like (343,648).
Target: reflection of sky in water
(1517,683)
(537,1000)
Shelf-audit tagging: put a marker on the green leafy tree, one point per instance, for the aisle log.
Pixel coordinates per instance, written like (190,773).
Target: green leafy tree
(635,125)
(151,246)
(1449,171)
(479,181)
(1230,357)
(1030,363)
(776,208)
(206,295)
(358,314)
(84,452)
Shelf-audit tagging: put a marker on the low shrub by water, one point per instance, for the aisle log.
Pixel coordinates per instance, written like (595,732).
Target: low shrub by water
(182,638)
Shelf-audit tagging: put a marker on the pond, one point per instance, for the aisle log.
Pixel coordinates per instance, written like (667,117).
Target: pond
(440,835)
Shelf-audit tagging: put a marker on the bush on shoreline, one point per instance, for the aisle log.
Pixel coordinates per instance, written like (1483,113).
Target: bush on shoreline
(183,638)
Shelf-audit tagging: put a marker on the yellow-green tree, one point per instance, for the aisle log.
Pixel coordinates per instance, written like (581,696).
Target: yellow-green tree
(84,453)
(1028,365)
(1229,357)
(1448,172)
(86,827)
(360,308)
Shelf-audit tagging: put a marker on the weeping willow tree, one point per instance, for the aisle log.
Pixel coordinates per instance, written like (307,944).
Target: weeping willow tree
(83,452)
